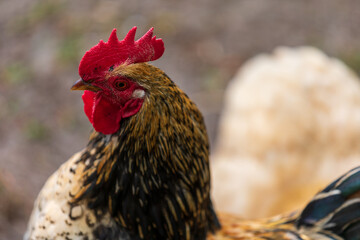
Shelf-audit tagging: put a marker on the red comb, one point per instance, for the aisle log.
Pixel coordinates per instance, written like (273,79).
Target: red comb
(101,57)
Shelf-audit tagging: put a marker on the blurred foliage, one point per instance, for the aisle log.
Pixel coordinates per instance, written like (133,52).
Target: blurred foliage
(16,73)
(352,60)
(35,130)
(40,12)
(69,50)
(45,10)
(13,106)
(212,76)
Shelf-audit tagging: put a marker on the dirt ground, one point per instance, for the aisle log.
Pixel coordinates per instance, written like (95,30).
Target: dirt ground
(41,43)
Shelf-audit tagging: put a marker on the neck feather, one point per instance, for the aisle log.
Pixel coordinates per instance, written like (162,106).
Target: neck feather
(153,174)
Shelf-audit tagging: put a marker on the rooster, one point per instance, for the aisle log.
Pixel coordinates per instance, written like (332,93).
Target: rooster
(145,171)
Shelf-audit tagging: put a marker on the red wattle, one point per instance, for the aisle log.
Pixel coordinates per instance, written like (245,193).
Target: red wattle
(89,102)
(103,115)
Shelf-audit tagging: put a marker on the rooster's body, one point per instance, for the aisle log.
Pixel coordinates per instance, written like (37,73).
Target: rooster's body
(144,176)
(145,171)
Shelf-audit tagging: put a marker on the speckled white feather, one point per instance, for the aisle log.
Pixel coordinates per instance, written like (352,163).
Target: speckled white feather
(50,217)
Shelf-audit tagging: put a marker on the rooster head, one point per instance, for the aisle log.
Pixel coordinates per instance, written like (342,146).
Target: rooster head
(108,96)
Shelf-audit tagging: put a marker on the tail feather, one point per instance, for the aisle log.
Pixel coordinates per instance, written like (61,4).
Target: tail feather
(336,209)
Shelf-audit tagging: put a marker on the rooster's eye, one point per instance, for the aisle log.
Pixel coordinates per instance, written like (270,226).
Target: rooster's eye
(121,85)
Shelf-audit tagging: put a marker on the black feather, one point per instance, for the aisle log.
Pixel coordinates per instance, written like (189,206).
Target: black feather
(336,209)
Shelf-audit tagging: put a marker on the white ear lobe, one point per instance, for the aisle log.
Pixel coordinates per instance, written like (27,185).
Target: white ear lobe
(138,93)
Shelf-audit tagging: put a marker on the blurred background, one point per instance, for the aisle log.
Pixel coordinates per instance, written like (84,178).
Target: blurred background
(41,43)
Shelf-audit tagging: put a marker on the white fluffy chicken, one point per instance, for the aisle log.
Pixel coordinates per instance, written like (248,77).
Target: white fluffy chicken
(291,122)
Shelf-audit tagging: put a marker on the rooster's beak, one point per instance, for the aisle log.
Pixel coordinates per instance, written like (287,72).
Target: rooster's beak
(81,85)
